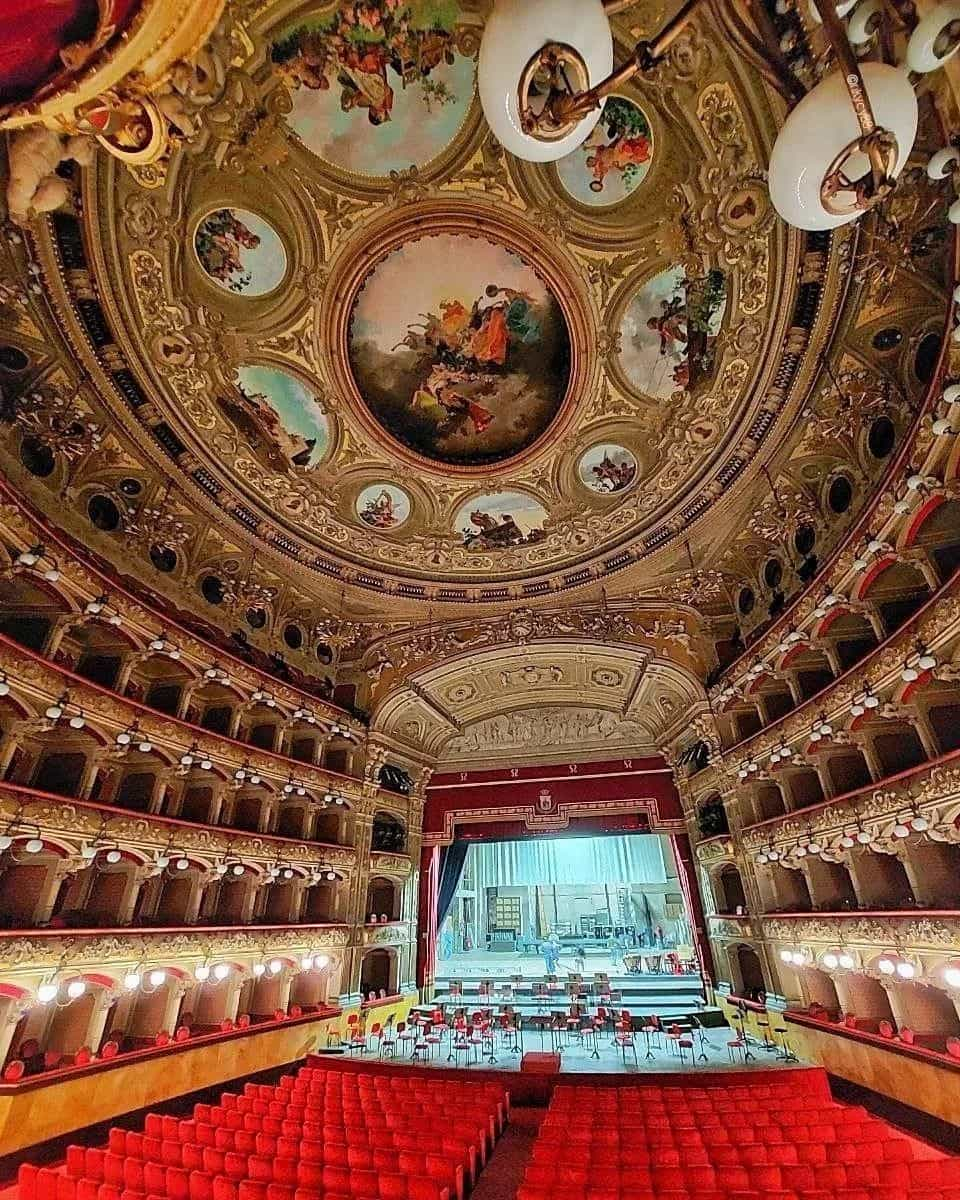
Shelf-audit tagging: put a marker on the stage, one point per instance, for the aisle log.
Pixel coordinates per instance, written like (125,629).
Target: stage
(536,1088)
(670,997)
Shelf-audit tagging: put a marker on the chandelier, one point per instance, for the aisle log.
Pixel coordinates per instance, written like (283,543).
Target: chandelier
(546,69)
(157,525)
(58,422)
(247,593)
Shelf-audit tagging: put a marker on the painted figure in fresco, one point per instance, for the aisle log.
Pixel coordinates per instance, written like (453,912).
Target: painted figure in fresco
(370,47)
(490,534)
(671,325)
(464,348)
(379,511)
(221,237)
(620,144)
(258,420)
(438,397)
(614,477)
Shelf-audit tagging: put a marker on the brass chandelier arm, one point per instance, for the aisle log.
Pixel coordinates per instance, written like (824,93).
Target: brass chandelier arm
(564,106)
(749,27)
(878,144)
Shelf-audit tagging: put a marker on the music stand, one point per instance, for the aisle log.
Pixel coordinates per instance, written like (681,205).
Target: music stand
(702,1039)
(748,1055)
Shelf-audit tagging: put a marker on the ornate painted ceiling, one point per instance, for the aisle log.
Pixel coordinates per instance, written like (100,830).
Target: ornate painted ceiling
(339,364)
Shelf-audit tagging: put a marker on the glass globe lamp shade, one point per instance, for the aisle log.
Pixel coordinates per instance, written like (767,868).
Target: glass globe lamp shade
(943,162)
(76,988)
(818,130)
(515,31)
(320,961)
(934,40)
(131,981)
(846,961)
(202,973)
(952,976)
(786,955)
(221,971)
(258,969)
(47,992)
(831,962)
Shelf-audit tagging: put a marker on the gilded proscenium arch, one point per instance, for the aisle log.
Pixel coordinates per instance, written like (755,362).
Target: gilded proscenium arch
(436,703)
(674,634)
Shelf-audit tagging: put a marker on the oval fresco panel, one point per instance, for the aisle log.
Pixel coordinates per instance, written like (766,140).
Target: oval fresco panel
(241,252)
(501,521)
(279,417)
(383,506)
(459,350)
(669,330)
(607,468)
(376,86)
(614,160)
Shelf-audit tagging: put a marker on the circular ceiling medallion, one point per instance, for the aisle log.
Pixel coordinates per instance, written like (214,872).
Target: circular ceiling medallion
(459,349)
(278,417)
(607,468)
(376,86)
(383,506)
(241,252)
(669,330)
(614,160)
(501,521)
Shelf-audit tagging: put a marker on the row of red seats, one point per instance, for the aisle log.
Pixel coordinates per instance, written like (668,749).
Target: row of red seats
(398,1169)
(930,1173)
(197,1133)
(731,1154)
(491,1095)
(300,1140)
(291,1168)
(577,1192)
(43,1183)
(679,1143)
(812,1084)
(405,1122)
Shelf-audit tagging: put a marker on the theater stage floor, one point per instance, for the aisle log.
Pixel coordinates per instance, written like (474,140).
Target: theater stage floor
(577,1060)
(502,966)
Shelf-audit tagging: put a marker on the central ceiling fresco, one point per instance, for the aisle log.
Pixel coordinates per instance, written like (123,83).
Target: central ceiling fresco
(358,335)
(459,349)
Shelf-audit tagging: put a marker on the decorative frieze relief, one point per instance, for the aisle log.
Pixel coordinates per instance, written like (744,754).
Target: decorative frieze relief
(103,950)
(907,933)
